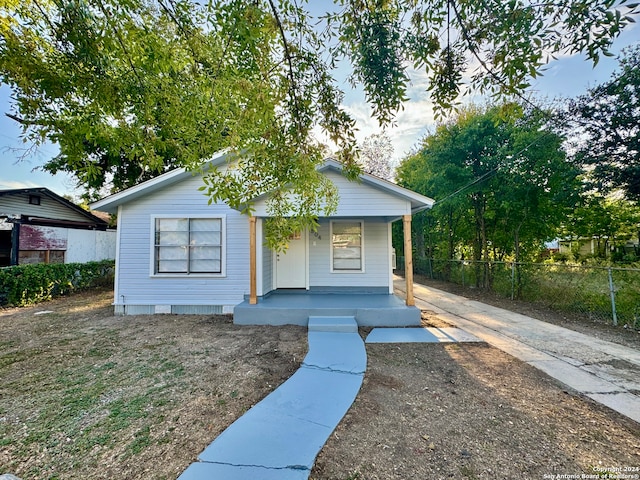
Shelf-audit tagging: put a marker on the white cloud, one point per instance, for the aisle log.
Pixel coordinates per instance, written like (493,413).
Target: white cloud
(409,126)
(14,184)
(61,183)
(414,120)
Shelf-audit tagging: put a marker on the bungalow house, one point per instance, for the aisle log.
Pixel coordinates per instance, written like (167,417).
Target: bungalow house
(177,254)
(39,226)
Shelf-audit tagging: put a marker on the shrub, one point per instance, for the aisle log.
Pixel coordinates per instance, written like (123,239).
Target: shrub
(558,257)
(28,284)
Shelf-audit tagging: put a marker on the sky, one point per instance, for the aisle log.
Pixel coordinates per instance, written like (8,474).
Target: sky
(566,77)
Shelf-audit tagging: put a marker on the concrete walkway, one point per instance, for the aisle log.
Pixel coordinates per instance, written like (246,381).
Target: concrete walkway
(280,437)
(420,335)
(607,372)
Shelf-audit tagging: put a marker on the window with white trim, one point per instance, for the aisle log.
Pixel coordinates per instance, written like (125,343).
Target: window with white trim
(346,246)
(185,246)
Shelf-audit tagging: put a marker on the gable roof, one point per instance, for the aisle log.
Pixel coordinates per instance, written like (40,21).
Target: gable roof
(418,202)
(111,203)
(88,220)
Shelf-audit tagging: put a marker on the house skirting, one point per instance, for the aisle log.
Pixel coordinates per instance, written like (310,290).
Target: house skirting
(172,309)
(294,307)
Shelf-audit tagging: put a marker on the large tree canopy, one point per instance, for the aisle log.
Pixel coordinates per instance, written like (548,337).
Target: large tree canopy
(129,89)
(506,43)
(606,127)
(501,181)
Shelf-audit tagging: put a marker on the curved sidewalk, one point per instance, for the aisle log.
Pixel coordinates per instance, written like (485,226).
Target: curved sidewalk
(606,372)
(280,437)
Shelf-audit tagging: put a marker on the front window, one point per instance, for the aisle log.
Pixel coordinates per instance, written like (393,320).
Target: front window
(346,246)
(188,246)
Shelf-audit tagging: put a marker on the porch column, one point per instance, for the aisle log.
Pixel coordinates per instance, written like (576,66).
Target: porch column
(408,259)
(253,298)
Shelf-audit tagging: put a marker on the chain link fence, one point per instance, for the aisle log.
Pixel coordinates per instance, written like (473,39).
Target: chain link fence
(604,294)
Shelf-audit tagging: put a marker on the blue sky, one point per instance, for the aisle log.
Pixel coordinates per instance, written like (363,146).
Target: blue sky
(566,77)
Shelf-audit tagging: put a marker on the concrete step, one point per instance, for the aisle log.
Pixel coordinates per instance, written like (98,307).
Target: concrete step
(344,324)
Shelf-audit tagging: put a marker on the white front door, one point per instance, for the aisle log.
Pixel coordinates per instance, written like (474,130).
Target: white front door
(291,266)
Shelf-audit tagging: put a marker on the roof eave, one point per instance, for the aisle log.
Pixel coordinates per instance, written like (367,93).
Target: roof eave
(57,198)
(111,203)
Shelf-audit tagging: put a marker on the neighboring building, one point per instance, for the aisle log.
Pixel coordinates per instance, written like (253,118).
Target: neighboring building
(581,246)
(595,246)
(38,226)
(177,254)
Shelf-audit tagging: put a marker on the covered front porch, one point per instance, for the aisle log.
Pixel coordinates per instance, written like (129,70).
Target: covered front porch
(335,294)
(344,268)
(294,307)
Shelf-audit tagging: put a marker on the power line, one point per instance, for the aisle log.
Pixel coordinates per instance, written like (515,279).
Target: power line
(480,179)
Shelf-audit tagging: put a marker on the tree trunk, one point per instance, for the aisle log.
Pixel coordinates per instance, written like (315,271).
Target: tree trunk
(516,247)
(480,250)
(419,223)
(450,236)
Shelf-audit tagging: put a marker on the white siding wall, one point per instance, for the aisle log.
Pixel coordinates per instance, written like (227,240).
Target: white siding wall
(376,257)
(48,208)
(136,285)
(90,245)
(358,199)
(267,267)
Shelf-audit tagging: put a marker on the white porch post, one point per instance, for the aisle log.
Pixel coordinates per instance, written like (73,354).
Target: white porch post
(408,259)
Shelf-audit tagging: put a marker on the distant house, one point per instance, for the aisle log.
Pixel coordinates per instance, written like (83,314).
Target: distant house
(582,246)
(39,226)
(596,246)
(178,254)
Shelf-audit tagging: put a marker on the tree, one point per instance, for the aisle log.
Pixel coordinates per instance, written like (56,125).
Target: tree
(130,89)
(500,179)
(538,186)
(510,41)
(610,221)
(117,96)
(606,127)
(375,155)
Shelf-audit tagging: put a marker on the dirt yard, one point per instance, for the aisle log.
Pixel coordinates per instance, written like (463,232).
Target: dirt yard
(88,395)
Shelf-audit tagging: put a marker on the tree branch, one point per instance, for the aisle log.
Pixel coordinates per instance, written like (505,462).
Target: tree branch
(122,45)
(483,63)
(46,18)
(188,37)
(21,121)
(288,58)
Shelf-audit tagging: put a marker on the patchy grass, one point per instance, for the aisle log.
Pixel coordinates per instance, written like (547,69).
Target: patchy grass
(89,395)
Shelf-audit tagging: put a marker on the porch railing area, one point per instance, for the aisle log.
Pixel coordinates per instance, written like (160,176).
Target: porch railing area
(609,294)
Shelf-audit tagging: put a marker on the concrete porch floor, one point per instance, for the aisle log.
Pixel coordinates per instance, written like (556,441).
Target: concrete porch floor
(295,308)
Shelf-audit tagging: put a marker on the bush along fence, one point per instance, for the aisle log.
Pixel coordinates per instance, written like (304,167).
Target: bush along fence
(604,294)
(28,284)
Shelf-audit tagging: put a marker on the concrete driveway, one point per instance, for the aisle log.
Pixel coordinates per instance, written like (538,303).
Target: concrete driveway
(606,372)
